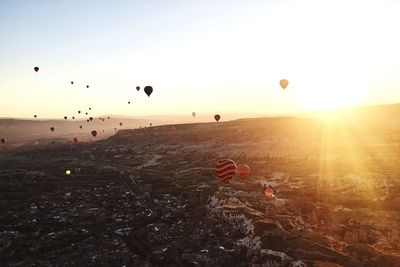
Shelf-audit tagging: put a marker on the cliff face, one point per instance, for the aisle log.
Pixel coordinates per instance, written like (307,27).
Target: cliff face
(150,197)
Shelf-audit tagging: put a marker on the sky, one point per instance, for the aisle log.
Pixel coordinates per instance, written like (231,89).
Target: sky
(204,56)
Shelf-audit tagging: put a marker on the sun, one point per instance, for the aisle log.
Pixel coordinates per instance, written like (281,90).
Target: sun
(329,98)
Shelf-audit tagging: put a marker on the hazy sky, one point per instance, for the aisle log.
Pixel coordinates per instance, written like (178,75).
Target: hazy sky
(204,56)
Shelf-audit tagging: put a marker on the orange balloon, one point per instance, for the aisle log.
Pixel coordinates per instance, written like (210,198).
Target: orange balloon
(269,192)
(243,171)
(284,83)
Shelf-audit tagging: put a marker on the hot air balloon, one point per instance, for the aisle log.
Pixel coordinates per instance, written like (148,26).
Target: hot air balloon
(91,118)
(103,119)
(80,126)
(243,171)
(67,172)
(52,129)
(194,114)
(73,117)
(120,124)
(115,128)
(65,118)
(226,169)
(94,133)
(148,90)
(72,82)
(87,120)
(284,83)
(269,192)
(36,69)
(129,102)
(108,117)
(137,88)
(217,117)
(75,139)
(87,86)
(151,124)
(90,108)
(2,140)
(86,113)
(35,116)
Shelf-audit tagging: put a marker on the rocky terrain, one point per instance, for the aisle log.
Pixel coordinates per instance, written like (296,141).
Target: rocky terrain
(150,197)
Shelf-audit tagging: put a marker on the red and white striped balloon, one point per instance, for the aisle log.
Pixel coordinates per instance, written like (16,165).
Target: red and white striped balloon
(226,169)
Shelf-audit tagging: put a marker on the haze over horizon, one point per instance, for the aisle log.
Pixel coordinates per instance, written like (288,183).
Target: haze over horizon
(207,57)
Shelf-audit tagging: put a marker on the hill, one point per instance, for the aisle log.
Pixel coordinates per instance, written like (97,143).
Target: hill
(150,197)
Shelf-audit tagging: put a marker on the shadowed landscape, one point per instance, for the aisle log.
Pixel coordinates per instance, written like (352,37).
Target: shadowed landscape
(150,196)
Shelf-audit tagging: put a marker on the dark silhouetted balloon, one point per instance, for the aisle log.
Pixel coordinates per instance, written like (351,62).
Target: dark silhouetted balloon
(75,139)
(243,171)
(80,126)
(2,140)
(90,108)
(65,118)
(217,117)
(87,120)
(91,118)
(120,124)
(86,113)
(148,90)
(73,117)
(151,124)
(79,111)
(108,117)
(36,69)
(284,83)
(138,88)
(194,114)
(129,102)
(226,169)
(72,82)
(87,86)
(35,116)
(52,129)
(94,133)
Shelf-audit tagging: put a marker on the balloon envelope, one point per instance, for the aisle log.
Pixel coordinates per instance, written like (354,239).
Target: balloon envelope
(226,169)
(72,82)
(148,90)
(138,88)
(94,133)
(243,171)
(269,192)
(193,114)
(65,118)
(36,69)
(284,83)
(67,172)
(52,129)
(3,140)
(120,124)
(217,117)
